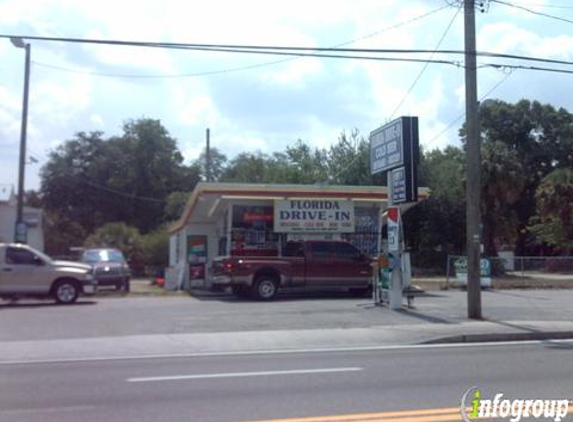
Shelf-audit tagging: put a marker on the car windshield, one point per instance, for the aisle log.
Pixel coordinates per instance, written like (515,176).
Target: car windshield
(103,255)
(42,255)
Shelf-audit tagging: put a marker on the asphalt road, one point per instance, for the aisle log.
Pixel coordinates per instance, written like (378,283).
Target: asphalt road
(278,386)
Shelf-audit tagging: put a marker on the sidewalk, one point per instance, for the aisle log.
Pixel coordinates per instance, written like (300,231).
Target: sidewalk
(182,345)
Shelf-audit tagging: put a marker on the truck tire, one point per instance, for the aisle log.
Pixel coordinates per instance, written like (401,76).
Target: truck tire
(265,287)
(126,287)
(66,291)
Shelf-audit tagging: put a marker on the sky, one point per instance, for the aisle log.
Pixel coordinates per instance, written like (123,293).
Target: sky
(259,102)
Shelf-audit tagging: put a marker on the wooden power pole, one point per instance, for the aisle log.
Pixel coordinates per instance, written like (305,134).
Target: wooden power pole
(473,184)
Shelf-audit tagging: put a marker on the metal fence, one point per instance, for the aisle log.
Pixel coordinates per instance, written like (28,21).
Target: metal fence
(515,271)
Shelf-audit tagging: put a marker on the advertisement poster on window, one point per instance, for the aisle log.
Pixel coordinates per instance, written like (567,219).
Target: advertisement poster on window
(251,233)
(197,256)
(197,249)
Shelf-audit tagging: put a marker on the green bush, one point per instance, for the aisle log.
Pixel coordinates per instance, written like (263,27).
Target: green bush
(123,237)
(155,247)
(145,253)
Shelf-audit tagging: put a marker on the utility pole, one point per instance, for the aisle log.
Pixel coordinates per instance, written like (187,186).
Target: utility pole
(20,232)
(208,156)
(473,184)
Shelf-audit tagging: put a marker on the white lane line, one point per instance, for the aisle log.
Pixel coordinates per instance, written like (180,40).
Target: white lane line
(46,410)
(287,351)
(244,374)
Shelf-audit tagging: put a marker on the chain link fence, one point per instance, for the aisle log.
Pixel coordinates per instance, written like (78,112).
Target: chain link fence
(514,271)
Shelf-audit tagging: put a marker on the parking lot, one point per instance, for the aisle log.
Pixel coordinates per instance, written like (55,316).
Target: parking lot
(145,313)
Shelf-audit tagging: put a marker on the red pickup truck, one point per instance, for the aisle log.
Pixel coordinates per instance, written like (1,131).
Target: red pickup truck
(315,263)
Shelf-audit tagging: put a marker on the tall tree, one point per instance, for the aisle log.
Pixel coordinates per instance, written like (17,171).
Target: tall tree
(66,180)
(90,180)
(349,160)
(502,182)
(309,165)
(540,138)
(248,167)
(435,227)
(554,223)
(217,163)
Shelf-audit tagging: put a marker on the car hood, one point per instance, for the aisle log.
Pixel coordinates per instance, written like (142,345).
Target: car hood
(107,264)
(72,264)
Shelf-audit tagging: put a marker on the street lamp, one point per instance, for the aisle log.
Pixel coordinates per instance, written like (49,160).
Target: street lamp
(21,230)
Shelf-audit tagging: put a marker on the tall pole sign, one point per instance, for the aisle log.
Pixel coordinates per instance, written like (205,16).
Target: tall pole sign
(394,149)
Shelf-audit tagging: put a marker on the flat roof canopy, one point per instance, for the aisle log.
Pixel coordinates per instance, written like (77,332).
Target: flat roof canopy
(206,200)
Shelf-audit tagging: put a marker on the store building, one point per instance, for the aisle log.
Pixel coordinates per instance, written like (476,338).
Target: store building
(256,219)
(33,217)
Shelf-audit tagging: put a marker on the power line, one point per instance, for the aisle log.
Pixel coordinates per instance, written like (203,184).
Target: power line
(426,64)
(242,68)
(278,50)
(461,116)
(521,67)
(357,157)
(548,6)
(279,53)
(120,193)
(289,51)
(337,56)
(546,15)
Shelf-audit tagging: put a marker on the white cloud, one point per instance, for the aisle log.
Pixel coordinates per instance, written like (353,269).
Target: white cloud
(264,107)
(10,112)
(198,110)
(191,153)
(97,120)
(61,102)
(512,39)
(293,73)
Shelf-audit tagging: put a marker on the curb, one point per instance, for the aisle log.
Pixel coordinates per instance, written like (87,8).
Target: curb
(500,337)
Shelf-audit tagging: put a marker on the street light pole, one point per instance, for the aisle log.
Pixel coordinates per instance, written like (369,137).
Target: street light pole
(21,229)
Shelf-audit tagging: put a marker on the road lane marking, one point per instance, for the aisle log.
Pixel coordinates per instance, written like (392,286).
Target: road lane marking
(445,414)
(371,416)
(244,374)
(46,410)
(284,352)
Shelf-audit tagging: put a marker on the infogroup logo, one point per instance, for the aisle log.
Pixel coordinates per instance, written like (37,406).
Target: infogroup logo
(474,406)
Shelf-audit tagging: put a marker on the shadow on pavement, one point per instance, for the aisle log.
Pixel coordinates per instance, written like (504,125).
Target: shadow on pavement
(283,296)
(512,294)
(428,318)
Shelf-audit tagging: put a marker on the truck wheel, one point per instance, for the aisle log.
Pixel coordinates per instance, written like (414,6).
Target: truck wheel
(265,288)
(66,291)
(126,285)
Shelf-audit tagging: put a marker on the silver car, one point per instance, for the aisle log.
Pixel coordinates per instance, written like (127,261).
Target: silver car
(109,266)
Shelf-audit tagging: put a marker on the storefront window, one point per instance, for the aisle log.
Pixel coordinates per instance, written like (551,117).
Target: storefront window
(365,238)
(252,231)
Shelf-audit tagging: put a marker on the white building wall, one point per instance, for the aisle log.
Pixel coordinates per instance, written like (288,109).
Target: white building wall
(173,250)
(35,224)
